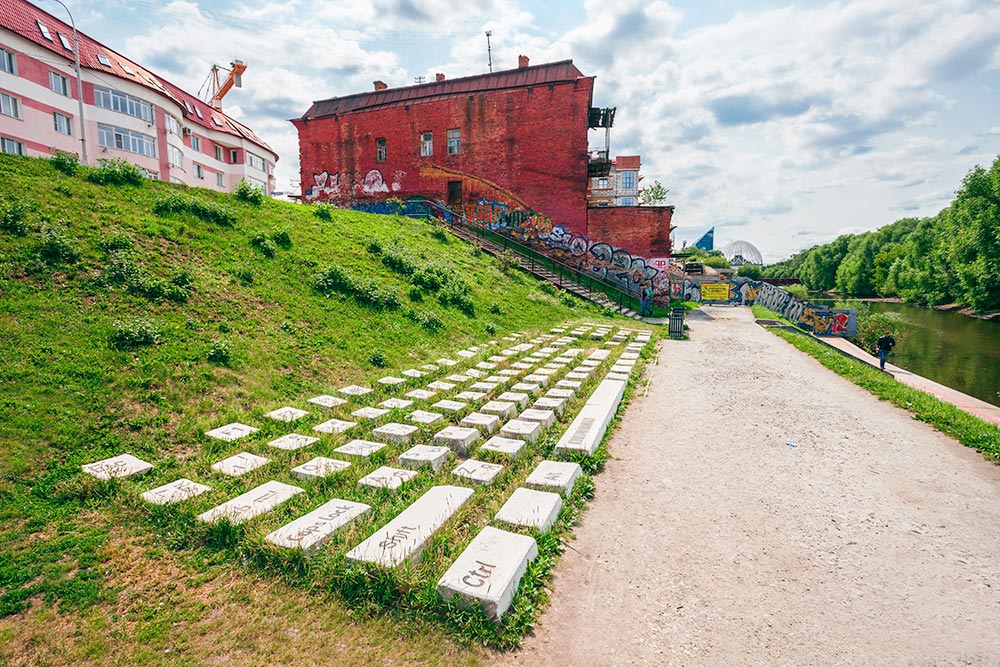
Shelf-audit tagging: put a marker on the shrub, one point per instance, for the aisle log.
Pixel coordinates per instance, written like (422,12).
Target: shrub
(56,247)
(243,276)
(219,353)
(67,163)
(115,240)
(453,295)
(281,239)
(134,334)
(116,172)
(378,360)
(508,261)
(323,211)
(249,193)
(567,299)
(207,211)
(440,235)
(122,270)
(431,322)
(495,309)
(490,329)
(798,291)
(263,245)
(334,279)
(394,203)
(394,258)
(15,219)
(547,287)
(375,248)
(416,294)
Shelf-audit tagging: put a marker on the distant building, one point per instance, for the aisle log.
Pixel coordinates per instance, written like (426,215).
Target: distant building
(621,185)
(505,148)
(129,111)
(707,240)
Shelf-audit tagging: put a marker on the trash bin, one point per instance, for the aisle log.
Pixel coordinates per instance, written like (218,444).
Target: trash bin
(676,323)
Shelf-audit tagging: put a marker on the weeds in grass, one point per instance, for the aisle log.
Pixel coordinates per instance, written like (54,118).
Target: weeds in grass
(335,280)
(67,163)
(133,334)
(14,219)
(219,352)
(323,211)
(177,203)
(56,247)
(378,360)
(116,172)
(248,193)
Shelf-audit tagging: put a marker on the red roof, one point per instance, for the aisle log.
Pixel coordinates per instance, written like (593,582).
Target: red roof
(539,75)
(627,162)
(23,18)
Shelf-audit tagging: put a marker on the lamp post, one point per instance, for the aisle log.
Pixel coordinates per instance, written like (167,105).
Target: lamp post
(79,84)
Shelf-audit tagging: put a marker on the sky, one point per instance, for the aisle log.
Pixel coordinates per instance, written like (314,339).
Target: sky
(784,124)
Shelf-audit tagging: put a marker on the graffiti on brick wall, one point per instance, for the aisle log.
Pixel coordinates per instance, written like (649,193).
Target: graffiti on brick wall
(820,320)
(346,187)
(413,207)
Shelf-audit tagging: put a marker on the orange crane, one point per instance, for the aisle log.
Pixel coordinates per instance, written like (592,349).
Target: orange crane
(217,88)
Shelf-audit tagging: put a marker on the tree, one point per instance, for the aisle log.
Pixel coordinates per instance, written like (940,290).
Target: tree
(654,195)
(751,271)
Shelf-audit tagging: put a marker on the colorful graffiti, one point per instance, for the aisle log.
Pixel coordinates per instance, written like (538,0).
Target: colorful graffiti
(346,186)
(820,320)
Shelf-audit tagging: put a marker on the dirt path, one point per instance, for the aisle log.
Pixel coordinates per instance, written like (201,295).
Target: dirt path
(873,541)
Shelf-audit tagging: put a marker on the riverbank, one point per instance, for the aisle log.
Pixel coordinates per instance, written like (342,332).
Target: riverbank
(960,308)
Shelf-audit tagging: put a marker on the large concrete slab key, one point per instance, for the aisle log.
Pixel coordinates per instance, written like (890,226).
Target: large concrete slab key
(309,531)
(530,508)
(405,536)
(253,503)
(489,570)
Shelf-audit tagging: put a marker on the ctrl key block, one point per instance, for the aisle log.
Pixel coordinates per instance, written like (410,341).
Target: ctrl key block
(489,570)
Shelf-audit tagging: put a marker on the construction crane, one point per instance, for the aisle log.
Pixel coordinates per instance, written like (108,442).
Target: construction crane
(215,88)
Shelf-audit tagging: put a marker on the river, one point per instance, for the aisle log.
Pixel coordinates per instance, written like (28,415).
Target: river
(956,350)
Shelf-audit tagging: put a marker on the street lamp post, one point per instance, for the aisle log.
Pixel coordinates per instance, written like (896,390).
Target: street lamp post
(79,84)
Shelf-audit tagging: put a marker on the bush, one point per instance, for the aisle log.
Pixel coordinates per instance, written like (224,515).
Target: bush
(440,235)
(122,270)
(547,287)
(67,163)
(453,295)
(249,193)
(567,299)
(244,276)
(281,239)
(375,248)
(490,329)
(431,322)
(378,360)
(508,261)
(15,219)
(134,334)
(115,240)
(56,247)
(219,353)
(323,211)
(207,211)
(263,245)
(395,259)
(495,309)
(117,172)
(416,294)
(798,291)
(334,279)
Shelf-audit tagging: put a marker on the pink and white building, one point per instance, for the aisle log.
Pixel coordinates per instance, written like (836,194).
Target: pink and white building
(129,112)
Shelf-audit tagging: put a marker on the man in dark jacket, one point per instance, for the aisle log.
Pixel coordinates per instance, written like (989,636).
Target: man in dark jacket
(885,344)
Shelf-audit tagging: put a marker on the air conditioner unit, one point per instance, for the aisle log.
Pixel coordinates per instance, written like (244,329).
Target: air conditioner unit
(186,131)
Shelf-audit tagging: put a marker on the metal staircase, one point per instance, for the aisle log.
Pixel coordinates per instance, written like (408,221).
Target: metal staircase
(583,284)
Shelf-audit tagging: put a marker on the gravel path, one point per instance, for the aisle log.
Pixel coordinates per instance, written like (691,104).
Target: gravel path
(873,541)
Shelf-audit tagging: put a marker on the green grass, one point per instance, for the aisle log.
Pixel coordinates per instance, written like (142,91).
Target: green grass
(945,417)
(127,330)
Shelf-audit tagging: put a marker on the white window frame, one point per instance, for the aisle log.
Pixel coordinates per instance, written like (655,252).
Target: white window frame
(175,158)
(44,29)
(234,156)
(65,42)
(10,105)
(63,124)
(219,180)
(257,162)
(12,146)
(454,142)
(196,143)
(123,139)
(173,125)
(115,100)
(381,149)
(199,172)
(257,183)
(58,83)
(8,62)
(628,201)
(219,153)
(628,180)
(426,144)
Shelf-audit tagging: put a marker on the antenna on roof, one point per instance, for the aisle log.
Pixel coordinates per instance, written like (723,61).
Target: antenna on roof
(489,50)
(418,79)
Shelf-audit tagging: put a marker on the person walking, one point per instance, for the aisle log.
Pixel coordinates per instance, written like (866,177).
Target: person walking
(885,344)
(647,300)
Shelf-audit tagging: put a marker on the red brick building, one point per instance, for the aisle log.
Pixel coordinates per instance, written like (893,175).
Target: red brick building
(509,149)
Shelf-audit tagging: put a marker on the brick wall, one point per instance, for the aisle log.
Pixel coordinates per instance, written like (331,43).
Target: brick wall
(524,147)
(644,231)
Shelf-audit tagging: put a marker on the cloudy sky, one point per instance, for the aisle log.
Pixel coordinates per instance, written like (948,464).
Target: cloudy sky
(782,123)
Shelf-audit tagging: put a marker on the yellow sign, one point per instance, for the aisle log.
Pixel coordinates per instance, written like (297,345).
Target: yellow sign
(715,291)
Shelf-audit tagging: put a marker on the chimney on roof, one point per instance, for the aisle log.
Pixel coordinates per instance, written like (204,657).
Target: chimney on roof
(522,62)
(439,77)
(380,85)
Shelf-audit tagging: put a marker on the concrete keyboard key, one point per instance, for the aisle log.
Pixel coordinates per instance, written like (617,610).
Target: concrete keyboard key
(309,531)
(254,502)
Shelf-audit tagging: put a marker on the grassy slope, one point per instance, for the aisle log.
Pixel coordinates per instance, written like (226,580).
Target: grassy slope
(79,578)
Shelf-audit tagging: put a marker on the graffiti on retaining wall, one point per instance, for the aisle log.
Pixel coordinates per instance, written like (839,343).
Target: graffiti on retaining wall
(345,186)
(820,320)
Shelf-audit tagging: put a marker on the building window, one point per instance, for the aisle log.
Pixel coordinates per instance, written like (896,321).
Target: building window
(63,124)
(173,125)
(9,106)
(454,142)
(255,161)
(122,103)
(218,180)
(218,153)
(602,183)
(199,172)
(7,62)
(257,183)
(628,201)
(153,175)
(126,140)
(104,60)
(42,28)
(380,150)
(174,157)
(234,156)
(427,144)
(195,144)
(11,146)
(65,42)
(59,84)
(628,180)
